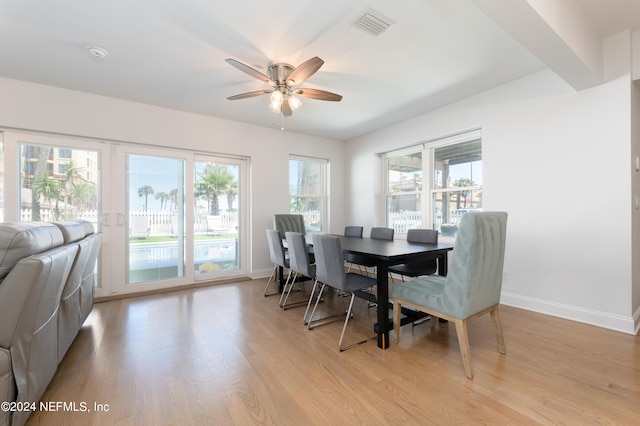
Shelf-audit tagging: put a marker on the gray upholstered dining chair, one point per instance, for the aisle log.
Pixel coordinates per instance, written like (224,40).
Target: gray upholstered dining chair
(353,231)
(289,222)
(472,286)
(330,272)
(377,233)
(381,233)
(300,264)
(278,258)
(422,267)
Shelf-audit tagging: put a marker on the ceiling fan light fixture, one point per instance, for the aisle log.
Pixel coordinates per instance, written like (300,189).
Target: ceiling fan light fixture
(275,107)
(294,102)
(275,101)
(277,97)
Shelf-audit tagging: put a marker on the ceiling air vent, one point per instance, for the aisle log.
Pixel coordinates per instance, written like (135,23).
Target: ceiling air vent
(372,22)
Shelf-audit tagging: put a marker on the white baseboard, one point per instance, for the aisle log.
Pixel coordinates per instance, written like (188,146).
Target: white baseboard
(620,323)
(257,274)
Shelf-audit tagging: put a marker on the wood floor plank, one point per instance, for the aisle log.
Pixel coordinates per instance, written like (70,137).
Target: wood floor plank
(227,355)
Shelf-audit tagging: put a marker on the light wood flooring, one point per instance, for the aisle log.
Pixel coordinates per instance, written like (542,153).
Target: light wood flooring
(226,355)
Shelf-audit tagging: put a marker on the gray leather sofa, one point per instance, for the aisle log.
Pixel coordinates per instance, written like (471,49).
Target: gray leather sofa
(46,294)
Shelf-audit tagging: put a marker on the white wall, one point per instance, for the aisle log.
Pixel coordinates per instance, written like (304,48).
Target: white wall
(44,108)
(558,162)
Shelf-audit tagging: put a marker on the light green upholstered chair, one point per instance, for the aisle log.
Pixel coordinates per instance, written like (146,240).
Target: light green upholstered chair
(472,286)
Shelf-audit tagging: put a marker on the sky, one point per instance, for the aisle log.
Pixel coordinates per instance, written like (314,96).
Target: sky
(163,174)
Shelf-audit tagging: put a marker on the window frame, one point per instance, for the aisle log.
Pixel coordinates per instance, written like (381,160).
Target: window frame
(323,195)
(428,191)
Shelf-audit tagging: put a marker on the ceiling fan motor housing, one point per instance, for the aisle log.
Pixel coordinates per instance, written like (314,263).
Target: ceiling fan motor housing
(279,73)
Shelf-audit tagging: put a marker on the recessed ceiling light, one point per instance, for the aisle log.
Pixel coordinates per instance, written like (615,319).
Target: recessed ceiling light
(96,52)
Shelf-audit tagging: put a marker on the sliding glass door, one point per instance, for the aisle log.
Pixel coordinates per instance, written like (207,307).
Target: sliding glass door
(169,217)
(183,217)
(217,202)
(155,191)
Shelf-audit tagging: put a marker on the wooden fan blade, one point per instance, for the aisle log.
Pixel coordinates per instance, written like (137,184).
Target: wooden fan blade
(322,95)
(249,94)
(251,71)
(305,70)
(286,108)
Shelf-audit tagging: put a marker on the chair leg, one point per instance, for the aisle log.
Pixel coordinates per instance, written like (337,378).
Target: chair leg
(344,328)
(323,321)
(284,289)
(273,274)
(463,341)
(315,306)
(313,292)
(286,292)
(495,316)
(346,320)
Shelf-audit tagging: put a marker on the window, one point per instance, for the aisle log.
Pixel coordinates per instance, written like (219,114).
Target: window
(51,192)
(447,172)
(307,191)
(404,190)
(457,184)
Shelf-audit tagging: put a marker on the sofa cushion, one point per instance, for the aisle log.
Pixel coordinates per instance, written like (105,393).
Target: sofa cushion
(74,230)
(22,239)
(7,387)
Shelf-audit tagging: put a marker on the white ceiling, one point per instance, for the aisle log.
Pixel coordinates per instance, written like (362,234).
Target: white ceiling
(171,53)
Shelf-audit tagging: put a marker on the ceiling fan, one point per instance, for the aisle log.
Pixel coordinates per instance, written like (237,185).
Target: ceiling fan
(284,80)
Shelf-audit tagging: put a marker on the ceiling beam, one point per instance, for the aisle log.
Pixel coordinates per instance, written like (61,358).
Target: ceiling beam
(554,31)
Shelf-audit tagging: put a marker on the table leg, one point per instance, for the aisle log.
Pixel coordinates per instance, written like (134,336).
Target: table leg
(281,279)
(383,304)
(443,263)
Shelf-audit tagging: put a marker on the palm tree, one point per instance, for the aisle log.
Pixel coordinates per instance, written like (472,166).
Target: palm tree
(145,191)
(163,197)
(72,176)
(232,193)
(213,181)
(463,182)
(42,155)
(49,189)
(173,199)
(82,195)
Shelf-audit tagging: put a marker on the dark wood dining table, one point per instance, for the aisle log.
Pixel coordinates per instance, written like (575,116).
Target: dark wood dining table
(383,254)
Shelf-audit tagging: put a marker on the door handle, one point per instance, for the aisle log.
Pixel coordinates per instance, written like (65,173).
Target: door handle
(120,219)
(104,219)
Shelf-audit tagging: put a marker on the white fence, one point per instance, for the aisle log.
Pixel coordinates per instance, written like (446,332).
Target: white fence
(165,222)
(46,215)
(161,222)
(402,221)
